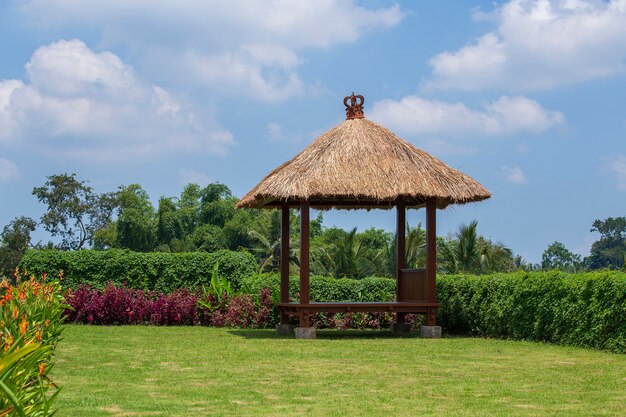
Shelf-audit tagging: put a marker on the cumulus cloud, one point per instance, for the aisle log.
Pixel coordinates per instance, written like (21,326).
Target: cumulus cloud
(514,175)
(505,116)
(539,44)
(238,46)
(88,104)
(8,170)
(617,165)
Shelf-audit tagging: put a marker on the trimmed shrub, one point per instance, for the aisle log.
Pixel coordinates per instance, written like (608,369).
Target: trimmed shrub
(118,306)
(584,309)
(154,271)
(325,289)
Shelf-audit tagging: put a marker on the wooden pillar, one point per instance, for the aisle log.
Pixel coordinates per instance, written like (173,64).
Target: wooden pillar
(284,259)
(431,258)
(304,261)
(400,238)
(400,250)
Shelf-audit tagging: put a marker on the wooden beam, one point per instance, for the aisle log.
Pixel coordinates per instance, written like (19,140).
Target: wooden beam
(431,250)
(304,251)
(284,254)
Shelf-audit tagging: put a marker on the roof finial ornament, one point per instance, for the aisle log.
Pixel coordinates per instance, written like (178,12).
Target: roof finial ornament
(354,110)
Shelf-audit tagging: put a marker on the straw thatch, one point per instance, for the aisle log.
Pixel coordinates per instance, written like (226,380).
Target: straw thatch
(360,164)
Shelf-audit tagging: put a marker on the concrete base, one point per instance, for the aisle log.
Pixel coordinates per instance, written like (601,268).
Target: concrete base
(284,329)
(430,332)
(305,332)
(399,329)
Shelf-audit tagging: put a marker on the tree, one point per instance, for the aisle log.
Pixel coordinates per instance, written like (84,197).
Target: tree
(188,206)
(557,256)
(469,252)
(466,250)
(169,226)
(610,250)
(415,247)
(495,256)
(75,212)
(135,219)
(15,240)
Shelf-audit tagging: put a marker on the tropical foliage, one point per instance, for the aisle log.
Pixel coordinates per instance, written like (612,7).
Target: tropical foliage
(204,219)
(30,317)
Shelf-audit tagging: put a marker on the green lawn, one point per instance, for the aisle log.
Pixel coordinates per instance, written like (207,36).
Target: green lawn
(199,371)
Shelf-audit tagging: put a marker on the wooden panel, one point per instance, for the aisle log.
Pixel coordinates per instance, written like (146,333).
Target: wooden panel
(412,285)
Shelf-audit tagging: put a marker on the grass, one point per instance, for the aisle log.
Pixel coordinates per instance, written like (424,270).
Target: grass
(199,371)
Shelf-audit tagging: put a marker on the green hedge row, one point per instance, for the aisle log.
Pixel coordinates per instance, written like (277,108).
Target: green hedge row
(145,271)
(585,309)
(325,289)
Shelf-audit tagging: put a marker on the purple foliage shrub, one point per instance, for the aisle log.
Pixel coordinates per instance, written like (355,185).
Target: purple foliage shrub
(120,305)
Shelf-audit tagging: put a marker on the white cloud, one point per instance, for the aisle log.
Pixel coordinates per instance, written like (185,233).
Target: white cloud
(187,176)
(236,46)
(86,104)
(8,170)
(505,116)
(617,165)
(538,45)
(514,175)
(275,132)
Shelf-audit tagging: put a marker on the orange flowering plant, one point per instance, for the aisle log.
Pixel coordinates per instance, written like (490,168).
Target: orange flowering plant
(31,314)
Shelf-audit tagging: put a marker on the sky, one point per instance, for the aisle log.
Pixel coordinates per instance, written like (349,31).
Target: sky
(527,97)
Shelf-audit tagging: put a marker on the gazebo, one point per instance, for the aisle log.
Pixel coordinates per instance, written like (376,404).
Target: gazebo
(362,165)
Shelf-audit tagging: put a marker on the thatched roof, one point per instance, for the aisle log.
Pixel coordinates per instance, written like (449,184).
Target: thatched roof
(360,164)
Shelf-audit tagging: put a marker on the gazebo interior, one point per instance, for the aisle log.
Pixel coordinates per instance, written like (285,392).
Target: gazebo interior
(360,164)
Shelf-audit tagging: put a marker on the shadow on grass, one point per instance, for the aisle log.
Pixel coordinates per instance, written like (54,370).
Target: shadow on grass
(325,334)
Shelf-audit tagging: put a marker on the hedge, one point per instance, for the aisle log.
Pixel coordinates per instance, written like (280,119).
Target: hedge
(325,289)
(144,271)
(584,309)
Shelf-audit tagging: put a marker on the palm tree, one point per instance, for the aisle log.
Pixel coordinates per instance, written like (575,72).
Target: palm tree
(415,250)
(495,257)
(466,251)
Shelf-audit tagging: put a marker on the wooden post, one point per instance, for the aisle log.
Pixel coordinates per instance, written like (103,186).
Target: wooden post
(304,261)
(284,259)
(431,258)
(400,251)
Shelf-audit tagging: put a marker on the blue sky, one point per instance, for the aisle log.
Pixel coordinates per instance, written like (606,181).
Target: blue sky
(527,97)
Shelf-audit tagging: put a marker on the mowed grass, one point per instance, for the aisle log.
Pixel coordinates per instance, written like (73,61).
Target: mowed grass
(199,371)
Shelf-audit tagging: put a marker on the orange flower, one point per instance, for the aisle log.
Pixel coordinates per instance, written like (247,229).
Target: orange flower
(46,323)
(23,325)
(8,342)
(38,334)
(42,368)
(16,313)
(9,294)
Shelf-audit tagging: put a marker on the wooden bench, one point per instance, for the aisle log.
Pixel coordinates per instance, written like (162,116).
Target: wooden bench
(349,307)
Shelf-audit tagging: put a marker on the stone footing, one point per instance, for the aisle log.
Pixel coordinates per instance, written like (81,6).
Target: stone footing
(305,332)
(430,332)
(284,329)
(399,329)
